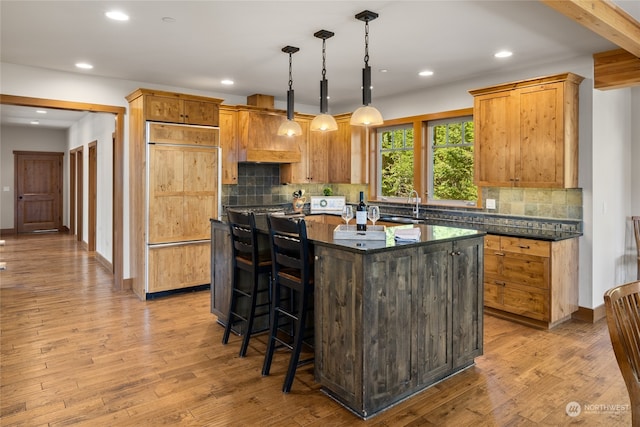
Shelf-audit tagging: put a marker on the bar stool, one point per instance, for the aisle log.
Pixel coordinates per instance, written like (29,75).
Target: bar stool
(247,257)
(292,298)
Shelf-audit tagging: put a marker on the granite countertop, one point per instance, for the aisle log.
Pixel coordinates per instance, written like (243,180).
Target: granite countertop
(322,234)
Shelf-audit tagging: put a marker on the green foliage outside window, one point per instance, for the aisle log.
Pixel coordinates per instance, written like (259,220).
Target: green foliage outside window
(453,161)
(396,149)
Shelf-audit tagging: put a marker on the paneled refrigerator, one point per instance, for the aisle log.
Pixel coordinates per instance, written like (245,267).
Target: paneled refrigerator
(183,180)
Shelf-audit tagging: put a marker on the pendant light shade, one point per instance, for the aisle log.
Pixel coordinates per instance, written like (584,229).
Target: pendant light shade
(290,127)
(367,114)
(324,122)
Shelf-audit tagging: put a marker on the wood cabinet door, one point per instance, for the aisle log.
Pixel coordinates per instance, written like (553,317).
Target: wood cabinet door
(340,156)
(468,300)
(200,112)
(162,109)
(432,298)
(229,146)
(183,134)
(496,139)
(540,159)
(182,193)
(221,271)
(317,157)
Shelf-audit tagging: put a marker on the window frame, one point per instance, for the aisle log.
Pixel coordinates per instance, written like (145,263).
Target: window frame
(429,125)
(378,152)
(421,157)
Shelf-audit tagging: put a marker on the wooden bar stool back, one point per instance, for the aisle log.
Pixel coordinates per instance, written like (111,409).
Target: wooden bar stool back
(636,230)
(249,297)
(292,299)
(622,305)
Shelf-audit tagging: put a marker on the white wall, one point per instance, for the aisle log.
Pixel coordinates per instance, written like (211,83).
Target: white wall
(611,201)
(18,138)
(97,127)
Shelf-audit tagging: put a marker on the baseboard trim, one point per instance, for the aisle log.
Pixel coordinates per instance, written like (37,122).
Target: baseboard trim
(7,231)
(104,262)
(590,315)
(127,284)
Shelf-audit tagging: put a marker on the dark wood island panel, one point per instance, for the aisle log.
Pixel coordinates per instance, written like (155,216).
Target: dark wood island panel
(392,323)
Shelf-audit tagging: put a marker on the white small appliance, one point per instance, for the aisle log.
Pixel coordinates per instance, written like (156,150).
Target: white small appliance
(327,204)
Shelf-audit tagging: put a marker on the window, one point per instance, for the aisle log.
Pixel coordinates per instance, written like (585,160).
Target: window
(451,160)
(395,148)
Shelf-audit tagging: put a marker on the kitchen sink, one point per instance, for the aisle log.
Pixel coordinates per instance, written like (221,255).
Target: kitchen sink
(402,219)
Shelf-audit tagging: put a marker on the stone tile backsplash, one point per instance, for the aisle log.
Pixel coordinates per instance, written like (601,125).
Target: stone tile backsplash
(259,184)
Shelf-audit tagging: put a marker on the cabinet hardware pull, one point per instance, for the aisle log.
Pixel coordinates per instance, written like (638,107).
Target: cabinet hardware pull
(499,253)
(524,246)
(455,253)
(501,283)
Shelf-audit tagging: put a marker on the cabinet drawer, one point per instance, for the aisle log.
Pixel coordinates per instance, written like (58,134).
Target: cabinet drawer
(525,301)
(526,270)
(179,266)
(525,246)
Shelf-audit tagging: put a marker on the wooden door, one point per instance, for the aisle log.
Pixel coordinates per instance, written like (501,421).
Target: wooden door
(38,177)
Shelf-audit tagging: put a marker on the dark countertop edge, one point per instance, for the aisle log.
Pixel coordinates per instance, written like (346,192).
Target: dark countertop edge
(527,233)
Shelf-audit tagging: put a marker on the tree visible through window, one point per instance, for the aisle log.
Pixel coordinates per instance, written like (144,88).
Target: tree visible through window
(396,152)
(452,160)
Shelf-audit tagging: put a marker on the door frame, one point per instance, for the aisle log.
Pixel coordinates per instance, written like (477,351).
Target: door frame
(93,194)
(118,166)
(77,171)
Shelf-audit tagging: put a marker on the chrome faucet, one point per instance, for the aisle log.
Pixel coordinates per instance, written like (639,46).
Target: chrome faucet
(416,208)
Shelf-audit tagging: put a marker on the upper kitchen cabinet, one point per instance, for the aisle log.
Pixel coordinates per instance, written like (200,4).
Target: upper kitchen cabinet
(347,163)
(337,157)
(314,149)
(258,140)
(171,107)
(526,133)
(229,144)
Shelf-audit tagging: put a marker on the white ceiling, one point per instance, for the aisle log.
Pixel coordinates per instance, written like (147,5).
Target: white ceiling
(242,40)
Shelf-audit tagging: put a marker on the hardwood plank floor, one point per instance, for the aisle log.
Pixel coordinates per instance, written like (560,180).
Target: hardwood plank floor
(75,352)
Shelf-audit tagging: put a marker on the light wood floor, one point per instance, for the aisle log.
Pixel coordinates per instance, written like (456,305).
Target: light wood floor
(75,352)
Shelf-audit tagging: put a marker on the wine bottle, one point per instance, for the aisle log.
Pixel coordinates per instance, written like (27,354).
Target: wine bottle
(361,214)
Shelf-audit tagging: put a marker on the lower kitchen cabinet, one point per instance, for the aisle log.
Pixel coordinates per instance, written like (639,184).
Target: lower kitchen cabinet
(531,281)
(392,323)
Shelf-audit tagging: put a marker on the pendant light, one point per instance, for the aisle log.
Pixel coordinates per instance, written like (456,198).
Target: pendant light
(323,121)
(366,115)
(290,127)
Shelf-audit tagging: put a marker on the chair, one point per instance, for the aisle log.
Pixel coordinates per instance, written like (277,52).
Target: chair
(636,230)
(622,305)
(292,298)
(248,262)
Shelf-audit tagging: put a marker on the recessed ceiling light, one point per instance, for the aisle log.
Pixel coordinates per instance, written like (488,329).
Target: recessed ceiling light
(168,19)
(34,122)
(84,65)
(41,112)
(425,73)
(116,15)
(503,54)
(227,82)
(383,70)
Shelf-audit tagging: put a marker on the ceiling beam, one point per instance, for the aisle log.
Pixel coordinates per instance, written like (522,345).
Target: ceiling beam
(604,18)
(615,69)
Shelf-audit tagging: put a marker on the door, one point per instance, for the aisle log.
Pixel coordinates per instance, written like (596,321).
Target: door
(38,178)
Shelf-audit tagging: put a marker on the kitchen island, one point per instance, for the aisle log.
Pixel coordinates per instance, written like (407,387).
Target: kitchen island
(392,318)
